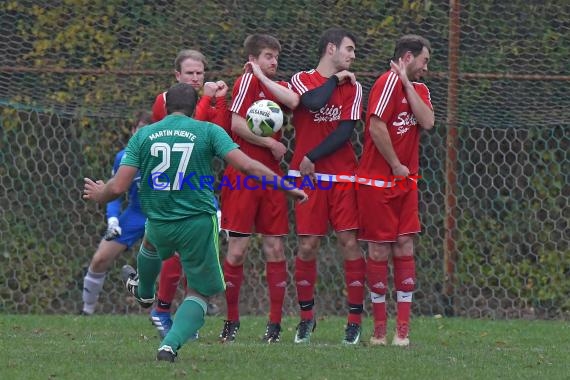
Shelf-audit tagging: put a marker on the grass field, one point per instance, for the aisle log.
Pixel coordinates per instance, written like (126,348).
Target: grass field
(124,347)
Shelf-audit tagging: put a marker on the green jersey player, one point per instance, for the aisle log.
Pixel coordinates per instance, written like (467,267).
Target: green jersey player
(174,157)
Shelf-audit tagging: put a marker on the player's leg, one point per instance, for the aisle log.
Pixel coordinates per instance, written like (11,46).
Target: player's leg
(156,246)
(233,275)
(94,279)
(312,224)
(377,281)
(239,207)
(198,247)
(273,223)
(380,233)
(213,308)
(404,264)
(355,278)
(344,219)
(404,282)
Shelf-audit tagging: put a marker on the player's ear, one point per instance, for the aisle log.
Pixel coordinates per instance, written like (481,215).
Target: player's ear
(331,48)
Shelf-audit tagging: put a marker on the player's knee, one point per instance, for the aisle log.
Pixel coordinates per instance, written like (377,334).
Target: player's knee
(273,248)
(405,245)
(308,249)
(236,256)
(350,248)
(100,262)
(380,252)
(148,246)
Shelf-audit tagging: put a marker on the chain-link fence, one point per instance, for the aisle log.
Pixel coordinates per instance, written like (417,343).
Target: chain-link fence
(495,171)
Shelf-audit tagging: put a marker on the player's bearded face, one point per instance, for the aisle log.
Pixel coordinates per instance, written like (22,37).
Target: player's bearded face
(267,61)
(192,73)
(344,54)
(418,67)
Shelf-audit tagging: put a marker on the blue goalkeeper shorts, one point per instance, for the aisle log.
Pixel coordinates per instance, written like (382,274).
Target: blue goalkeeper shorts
(132,227)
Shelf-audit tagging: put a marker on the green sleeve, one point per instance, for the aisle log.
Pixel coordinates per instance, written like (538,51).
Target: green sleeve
(221,142)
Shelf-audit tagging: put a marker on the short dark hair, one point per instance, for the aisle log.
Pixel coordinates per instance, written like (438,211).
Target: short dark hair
(255,43)
(181,97)
(412,43)
(142,116)
(194,55)
(334,36)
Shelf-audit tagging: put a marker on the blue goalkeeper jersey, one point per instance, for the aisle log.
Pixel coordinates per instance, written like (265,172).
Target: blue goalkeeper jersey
(114,207)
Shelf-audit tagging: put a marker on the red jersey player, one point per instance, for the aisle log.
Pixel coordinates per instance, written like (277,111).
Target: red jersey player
(245,207)
(398,109)
(189,67)
(324,122)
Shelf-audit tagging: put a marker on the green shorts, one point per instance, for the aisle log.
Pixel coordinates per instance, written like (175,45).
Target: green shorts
(196,241)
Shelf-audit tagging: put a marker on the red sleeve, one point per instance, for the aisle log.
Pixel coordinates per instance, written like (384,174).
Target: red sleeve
(243,94)
(352,102)
(159,108)
(284,108)
(203,109)
(381,102)
(423,92)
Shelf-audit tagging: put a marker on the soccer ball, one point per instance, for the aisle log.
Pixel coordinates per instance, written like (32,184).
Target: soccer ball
(264,118)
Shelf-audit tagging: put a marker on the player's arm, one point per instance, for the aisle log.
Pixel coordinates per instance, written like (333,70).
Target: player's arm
(202,111)
(220,114)
(333,141)
(102,192)
(422,111)
(284,95)
(381,137)
(239,127)
(257,170)
(317,97)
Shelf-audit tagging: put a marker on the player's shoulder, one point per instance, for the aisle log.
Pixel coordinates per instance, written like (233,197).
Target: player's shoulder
(420,85)
(304,74)
(161,97)
(386,81)
(387,75)
(246,78)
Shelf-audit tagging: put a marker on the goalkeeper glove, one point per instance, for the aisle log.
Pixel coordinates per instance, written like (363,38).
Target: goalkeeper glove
(113,229)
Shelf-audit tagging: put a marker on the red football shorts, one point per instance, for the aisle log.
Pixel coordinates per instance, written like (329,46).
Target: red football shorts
(333,202)
(386,213)
(247,204)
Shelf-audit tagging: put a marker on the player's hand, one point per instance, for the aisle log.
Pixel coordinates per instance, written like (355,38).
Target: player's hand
(222,89)
(210,89)
(400,69)
(307,167)
(93,190)
(277,149)
(299,195)
(400,171)
(253,68)
(344,76)
(113,229)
